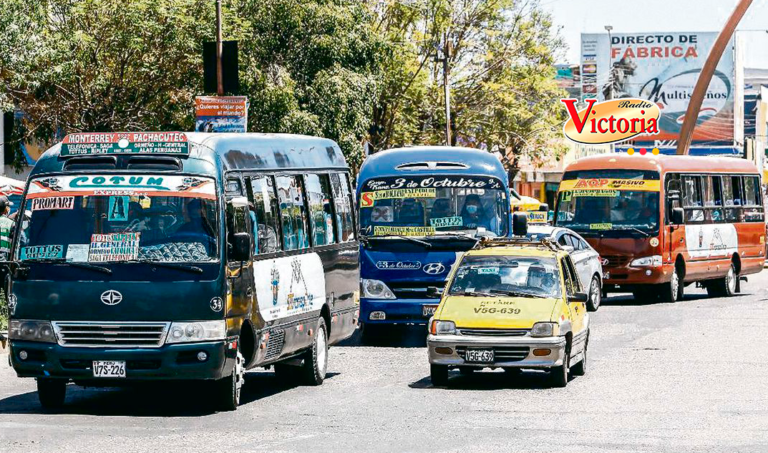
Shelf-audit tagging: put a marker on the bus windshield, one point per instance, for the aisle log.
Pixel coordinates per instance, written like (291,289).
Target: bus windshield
(599,204)
(428,205)
(110,218)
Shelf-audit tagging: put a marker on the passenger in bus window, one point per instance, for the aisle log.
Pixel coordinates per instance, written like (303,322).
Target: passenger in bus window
(441,208)
(411,213)
(473,214)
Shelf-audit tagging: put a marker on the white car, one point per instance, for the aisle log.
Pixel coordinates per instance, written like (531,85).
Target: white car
(586,259)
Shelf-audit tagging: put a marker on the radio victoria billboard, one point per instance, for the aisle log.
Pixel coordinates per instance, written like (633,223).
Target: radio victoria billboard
(663,68)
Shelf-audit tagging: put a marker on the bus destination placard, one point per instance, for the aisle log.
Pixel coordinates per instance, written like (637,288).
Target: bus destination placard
(108,143)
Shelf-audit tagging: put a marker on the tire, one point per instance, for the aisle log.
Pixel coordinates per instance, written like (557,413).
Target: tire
(316,358)
(51,392)
(673,290)
(228,389)
(580,369)
(439,375)
(558,376)
(726,286)
(595,294)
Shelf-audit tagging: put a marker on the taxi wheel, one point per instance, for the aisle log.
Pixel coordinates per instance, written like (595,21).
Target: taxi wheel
(559,375)
(51,392)
(316,358)
(439,375)
(594,295)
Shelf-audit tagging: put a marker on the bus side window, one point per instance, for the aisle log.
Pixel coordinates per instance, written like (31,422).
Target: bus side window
(236,223)
(692,199)
(320,209)
(264,215)
(732,213)
(343,201)
(672,186)
(293,213)
(712,193)
(753,210)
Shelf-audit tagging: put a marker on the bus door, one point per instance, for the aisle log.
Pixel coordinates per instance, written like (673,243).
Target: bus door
(238,251)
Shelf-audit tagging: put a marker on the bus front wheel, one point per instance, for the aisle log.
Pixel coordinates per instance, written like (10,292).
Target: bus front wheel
(672,291)
(51,392)
(228,389)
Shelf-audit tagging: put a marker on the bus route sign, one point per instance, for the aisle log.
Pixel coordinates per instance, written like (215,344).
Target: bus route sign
(109,143)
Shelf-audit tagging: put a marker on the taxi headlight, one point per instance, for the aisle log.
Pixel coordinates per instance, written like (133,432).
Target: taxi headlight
(376,289)
(29,330)
(186,332)
(647,261)
(543,329)
(443,327)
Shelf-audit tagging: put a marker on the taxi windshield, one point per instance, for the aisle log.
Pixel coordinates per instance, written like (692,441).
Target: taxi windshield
(426,206)
(132,218)
(506,276)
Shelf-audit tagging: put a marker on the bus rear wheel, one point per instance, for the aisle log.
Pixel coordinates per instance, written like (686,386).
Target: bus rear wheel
(51,392)
(726,286)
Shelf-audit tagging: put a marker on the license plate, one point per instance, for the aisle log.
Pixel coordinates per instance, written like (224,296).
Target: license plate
(428,310)
(479,355)
(108,369)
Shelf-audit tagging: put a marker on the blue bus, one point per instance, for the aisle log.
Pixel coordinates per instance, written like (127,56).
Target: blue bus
(420,209)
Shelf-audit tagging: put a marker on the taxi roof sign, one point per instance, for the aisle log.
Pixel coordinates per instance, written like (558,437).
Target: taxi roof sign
(110,143)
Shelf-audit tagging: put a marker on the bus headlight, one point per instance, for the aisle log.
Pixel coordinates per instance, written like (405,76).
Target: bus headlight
(543,329)
(376,289)
(28,330)
(647,261)
(186,332)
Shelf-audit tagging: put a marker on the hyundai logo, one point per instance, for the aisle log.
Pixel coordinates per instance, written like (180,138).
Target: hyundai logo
(111,297)
(434,268)
(604,261)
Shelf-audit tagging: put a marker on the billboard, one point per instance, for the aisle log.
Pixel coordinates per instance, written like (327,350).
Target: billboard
(221,114)
(663,68)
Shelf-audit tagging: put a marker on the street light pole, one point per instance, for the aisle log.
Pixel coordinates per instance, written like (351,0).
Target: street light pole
(219,50)
(608,28)
(447,87)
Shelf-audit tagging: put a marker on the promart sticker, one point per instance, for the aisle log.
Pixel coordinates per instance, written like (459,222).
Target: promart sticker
(49,203)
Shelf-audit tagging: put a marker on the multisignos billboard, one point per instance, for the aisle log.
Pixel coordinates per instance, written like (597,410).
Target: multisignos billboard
(662,68)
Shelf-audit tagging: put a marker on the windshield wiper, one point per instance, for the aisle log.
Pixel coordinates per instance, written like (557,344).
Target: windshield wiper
(515,293)
(631,228)
(424,244)
(472,293)
(180,266)
(456,235)
(79,264)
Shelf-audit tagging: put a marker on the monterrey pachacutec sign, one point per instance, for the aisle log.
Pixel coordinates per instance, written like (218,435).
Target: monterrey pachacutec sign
(663,68)
(90,143)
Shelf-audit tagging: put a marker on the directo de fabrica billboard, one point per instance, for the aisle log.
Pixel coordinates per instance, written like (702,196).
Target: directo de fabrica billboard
(662,68)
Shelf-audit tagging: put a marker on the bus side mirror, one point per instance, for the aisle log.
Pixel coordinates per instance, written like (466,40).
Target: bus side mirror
(241,247)
(519,224)
(677,216)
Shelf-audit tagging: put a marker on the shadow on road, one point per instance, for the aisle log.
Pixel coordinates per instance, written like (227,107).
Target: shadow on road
(159,399)
(627,300)
(390,337)
(491,380)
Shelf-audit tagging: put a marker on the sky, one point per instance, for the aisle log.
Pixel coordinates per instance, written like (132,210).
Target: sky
(629,16)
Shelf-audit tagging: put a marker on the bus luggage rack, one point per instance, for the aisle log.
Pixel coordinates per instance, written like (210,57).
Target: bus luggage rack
(111,334)
(543,243)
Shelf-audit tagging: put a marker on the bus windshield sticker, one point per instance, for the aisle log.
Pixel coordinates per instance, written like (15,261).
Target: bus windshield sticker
(122,185)
(403,231)
(50,203)
(114,247)
(367,199)
(600,226)
(44,252)
(383,214)
(118,208)
(78,253)
(446,222)
(86,144)
(610,183)
(434,182)
(609,193)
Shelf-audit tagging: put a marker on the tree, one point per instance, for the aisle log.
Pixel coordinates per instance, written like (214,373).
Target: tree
(501,55)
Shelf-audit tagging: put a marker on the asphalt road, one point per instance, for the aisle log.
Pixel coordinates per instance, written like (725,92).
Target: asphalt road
(678,377)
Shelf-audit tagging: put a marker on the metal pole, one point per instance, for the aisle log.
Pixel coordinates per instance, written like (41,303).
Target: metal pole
(700,90)
(608,28)
(219,50)
(446,69)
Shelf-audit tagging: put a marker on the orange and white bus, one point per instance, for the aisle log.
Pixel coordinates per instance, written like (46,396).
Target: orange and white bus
(661,223)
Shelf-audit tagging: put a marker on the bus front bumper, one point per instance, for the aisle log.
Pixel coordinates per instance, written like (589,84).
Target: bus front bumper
(626,277)
(397,311)
(513,352)
(169,362)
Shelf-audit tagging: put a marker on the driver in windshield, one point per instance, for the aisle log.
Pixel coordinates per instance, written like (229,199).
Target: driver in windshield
(473,214)
(198,223)
(441,208)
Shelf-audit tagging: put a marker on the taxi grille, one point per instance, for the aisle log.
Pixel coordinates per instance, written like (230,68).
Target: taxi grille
(111,334)
(501,353)
(494,332)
